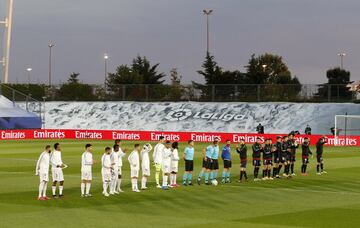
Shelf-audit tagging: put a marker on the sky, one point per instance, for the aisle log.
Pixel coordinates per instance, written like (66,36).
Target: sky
(307,33)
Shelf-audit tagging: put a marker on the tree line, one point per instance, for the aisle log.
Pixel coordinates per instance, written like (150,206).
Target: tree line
(265,75)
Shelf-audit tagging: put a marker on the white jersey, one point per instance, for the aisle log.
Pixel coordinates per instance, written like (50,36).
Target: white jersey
(43,163)
(145,158)
(86,161)
(55,159)
(106,163)
(158,153)
(120,154)
(166,156)
(175,157)
(134,160)
(114,156)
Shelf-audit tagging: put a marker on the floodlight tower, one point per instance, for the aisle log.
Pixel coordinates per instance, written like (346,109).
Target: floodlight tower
(7,23)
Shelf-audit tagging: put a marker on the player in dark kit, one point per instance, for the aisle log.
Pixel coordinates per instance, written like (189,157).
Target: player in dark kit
(286,156)
(277,156)
(305,147)
(267,159)
(293,145)
(257,149)
(242,151)
(319,152)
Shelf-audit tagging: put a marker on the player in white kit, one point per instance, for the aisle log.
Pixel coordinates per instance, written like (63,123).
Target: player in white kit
(114,156)
(106,170)
(134,161)
(174,168)
(145,164)
(57,172)
(121,154)
(42,170)
(157,158)
(166,163)
(86,171)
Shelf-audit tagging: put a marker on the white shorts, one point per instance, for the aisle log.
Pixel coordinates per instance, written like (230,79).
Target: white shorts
(44,176)
(146,171)
(166,168)
(106,176)
(57,174)
(86,175)
(174,168)
(134,173)
(114,175)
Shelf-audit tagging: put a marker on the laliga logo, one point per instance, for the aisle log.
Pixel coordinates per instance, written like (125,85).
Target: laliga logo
(179,114)
(182,114)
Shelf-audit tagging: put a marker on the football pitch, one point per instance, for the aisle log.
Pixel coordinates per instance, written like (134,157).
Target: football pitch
(329,200)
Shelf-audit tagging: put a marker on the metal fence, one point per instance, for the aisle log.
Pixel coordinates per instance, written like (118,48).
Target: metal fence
(194,92)
(25,101)
(231,93)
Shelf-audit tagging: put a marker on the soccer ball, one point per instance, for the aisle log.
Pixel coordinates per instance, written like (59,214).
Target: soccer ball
(214,182)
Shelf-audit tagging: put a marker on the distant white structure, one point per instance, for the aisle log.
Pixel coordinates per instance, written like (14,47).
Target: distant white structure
(5,57)
(355,87)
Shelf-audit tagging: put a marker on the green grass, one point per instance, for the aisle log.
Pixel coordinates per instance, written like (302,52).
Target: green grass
(331,200)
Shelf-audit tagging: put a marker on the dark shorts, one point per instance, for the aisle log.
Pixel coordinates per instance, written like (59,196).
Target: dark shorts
(305,160)
(292,157)
(268,162)
(319,158)
(276,160)
(256,163)
(215,164)
(288,156)
(204,163)
(189,165)
(282,159)
(227,164)
(243,163)
(208,163)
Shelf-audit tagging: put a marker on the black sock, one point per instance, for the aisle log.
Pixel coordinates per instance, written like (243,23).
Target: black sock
(245,175)
(269,173)
(322,167)
(287,169)
(279,169)
(274,172)
(302,168)
(305,168)
(292,168)
(241,174)
(317,167)
(255,174)
(264,173)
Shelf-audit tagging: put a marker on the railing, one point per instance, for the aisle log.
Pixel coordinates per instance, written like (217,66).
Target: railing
(208,93)
(23,100)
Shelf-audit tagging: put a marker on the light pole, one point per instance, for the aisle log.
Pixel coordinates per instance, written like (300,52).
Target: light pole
(51,45)
(264,67)
(29,69)
(106,57)
(207,13)
(44,110)
(341,55)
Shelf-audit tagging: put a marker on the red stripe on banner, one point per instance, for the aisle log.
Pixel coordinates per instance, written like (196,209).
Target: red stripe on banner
(154,136)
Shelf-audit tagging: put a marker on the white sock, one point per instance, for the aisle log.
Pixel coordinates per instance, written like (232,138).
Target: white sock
(82,188)
(61,190)
(118,184)
(41,187)
(143,182)
(174,179)
(44,189)
(135,188)
(111,186)
(104,187)
(165,180)
(88,185)
(53,190)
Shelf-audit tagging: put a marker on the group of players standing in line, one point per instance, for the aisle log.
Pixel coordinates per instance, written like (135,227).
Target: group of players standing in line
(166,159)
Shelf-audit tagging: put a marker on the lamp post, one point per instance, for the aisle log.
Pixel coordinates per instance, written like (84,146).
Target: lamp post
(29,69)
(264,67)
(341,55)
(51,45)
(106,57)
(207,13)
